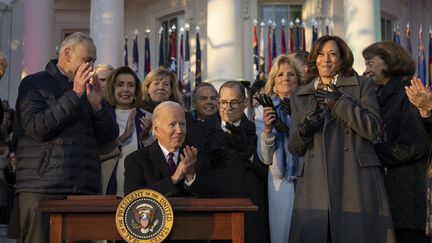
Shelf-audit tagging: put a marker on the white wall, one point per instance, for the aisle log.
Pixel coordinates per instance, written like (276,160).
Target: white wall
(12,23)
(141,14)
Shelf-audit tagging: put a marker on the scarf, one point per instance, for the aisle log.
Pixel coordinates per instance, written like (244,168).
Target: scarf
(287,162)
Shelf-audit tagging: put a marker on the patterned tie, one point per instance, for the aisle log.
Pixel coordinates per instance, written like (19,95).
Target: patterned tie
(171,162)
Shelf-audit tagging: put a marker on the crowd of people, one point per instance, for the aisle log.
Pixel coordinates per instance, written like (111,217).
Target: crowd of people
(326,154)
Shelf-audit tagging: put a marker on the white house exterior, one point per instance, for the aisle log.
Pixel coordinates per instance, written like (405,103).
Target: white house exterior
(31,30)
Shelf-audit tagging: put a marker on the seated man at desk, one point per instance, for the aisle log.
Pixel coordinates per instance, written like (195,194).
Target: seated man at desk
(167,165)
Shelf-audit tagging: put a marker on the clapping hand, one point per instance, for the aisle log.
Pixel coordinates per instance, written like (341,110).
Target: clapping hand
(312,123)
(420,96)
(146,125)
(278,124)
(327,95)
(240,141)
(269,115)
(186,165)
(130,126)
(218,154)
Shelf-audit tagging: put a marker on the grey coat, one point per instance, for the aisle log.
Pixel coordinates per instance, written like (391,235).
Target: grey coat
(340,187)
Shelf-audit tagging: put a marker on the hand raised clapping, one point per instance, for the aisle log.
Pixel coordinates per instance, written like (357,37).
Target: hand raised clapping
(420,96)
(146,125)
(186,166)
(269,116)
(130,126)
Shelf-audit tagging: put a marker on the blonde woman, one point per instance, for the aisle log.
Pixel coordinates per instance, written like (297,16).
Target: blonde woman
(272,145)
(160,85)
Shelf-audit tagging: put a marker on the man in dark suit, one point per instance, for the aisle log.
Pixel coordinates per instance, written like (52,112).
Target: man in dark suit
(229,139)
(166,166)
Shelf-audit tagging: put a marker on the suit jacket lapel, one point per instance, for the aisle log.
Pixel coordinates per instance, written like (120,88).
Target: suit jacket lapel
(158,159)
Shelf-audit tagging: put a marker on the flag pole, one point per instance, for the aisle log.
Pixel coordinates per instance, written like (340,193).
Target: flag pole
(283,44)
(255,50)
(269,53)
(261,53)
(198,58)
(161,48)
(186,76)
(274,54)
(421,57)
(181,63)
(135,55)
(291,37)
(125,52)
(146,52)
(314,24)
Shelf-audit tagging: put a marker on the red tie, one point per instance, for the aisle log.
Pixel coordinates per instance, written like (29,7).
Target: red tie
(171,162)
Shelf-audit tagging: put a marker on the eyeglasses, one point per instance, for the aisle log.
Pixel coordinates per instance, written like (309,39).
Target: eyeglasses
(233,103)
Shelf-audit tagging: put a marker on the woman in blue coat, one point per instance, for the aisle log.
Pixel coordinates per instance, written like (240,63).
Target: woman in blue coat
(272,145)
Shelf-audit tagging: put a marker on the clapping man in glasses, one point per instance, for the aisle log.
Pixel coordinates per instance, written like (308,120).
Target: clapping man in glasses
(230,143)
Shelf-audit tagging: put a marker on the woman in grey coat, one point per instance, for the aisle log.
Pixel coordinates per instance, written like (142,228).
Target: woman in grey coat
(340,194)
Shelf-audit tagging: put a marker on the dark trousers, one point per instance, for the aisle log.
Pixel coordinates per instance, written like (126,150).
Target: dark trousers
(34,225)
(410,236)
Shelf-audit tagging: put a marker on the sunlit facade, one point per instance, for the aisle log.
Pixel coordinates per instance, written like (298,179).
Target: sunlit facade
(31,30)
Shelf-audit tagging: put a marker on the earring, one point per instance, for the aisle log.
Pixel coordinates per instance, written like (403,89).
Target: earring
(274,90)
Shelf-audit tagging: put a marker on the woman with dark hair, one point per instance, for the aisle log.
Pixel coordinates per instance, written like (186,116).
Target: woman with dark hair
(404,151)
(123,93)
(340,194)
(160,85)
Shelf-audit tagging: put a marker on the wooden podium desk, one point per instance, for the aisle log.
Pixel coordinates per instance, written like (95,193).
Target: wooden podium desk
(93,218)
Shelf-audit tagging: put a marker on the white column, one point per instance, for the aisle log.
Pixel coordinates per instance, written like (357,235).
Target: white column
(107,30)
(362,27)
(38,41)
(224,41)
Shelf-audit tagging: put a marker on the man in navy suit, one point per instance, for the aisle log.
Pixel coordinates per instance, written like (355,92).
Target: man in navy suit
(167,165)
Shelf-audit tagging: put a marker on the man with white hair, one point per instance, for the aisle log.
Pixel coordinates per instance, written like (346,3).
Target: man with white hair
(61,121)
(167,165)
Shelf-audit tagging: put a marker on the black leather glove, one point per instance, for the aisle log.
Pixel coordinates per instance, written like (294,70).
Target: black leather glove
(239,141)
(218,154)
(311,124)
(285,106)
(278,124)
(216,150)
(327,95)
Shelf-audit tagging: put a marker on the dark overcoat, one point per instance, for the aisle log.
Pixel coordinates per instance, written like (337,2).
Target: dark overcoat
(340,188)
(404,156)
(235,177)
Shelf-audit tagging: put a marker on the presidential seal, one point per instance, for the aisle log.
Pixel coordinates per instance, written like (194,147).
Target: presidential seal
(144,216)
